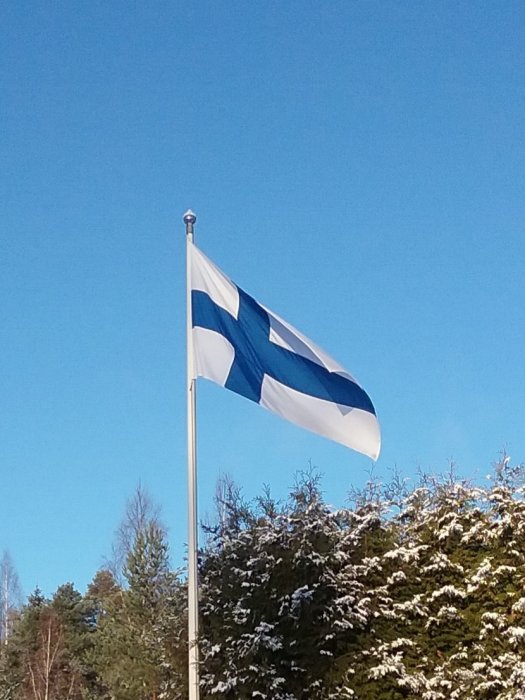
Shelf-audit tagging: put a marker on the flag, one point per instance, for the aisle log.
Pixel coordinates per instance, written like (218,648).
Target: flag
(243,346)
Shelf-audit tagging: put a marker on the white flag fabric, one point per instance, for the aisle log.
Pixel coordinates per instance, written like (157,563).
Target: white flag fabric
(243,346)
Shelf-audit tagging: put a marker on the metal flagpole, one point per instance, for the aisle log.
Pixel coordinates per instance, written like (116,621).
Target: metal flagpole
(189,219)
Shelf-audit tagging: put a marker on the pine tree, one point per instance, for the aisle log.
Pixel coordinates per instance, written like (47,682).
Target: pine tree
(46,653)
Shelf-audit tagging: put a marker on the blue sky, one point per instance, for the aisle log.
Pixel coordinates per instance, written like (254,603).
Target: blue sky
(358,167)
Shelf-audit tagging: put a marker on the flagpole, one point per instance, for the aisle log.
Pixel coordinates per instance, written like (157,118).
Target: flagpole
(189,219)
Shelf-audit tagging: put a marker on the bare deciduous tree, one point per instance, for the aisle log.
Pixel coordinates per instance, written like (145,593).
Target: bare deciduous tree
(10,595)
(140,513)
(49,675)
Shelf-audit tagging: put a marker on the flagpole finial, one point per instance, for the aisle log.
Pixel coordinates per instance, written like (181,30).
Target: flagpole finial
(189,217)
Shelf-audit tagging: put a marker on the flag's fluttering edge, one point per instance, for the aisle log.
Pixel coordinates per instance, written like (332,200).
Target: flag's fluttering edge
(245,347)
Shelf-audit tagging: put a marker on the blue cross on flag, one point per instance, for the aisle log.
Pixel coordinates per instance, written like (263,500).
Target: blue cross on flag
(245,347)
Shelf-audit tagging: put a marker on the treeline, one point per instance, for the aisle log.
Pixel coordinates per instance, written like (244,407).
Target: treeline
(403,594)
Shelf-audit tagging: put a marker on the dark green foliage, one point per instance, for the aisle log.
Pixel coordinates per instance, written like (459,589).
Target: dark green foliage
(405,595)
(46,657)
(283,596)
(138,628)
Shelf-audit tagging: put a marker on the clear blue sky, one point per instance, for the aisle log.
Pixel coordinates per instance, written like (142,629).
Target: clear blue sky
(356,166)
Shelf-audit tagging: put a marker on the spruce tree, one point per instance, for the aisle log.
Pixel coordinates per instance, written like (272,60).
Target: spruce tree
(276,600)
(133,655)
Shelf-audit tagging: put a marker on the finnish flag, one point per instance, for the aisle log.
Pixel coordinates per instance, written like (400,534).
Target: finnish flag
(243,346)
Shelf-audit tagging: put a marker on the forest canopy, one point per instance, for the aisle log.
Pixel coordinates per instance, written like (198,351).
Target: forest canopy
(403,593)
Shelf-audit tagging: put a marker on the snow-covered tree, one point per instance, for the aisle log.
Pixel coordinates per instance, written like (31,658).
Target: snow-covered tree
(282,598)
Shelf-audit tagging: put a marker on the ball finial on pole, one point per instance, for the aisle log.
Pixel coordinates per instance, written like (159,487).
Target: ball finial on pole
(189,219)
